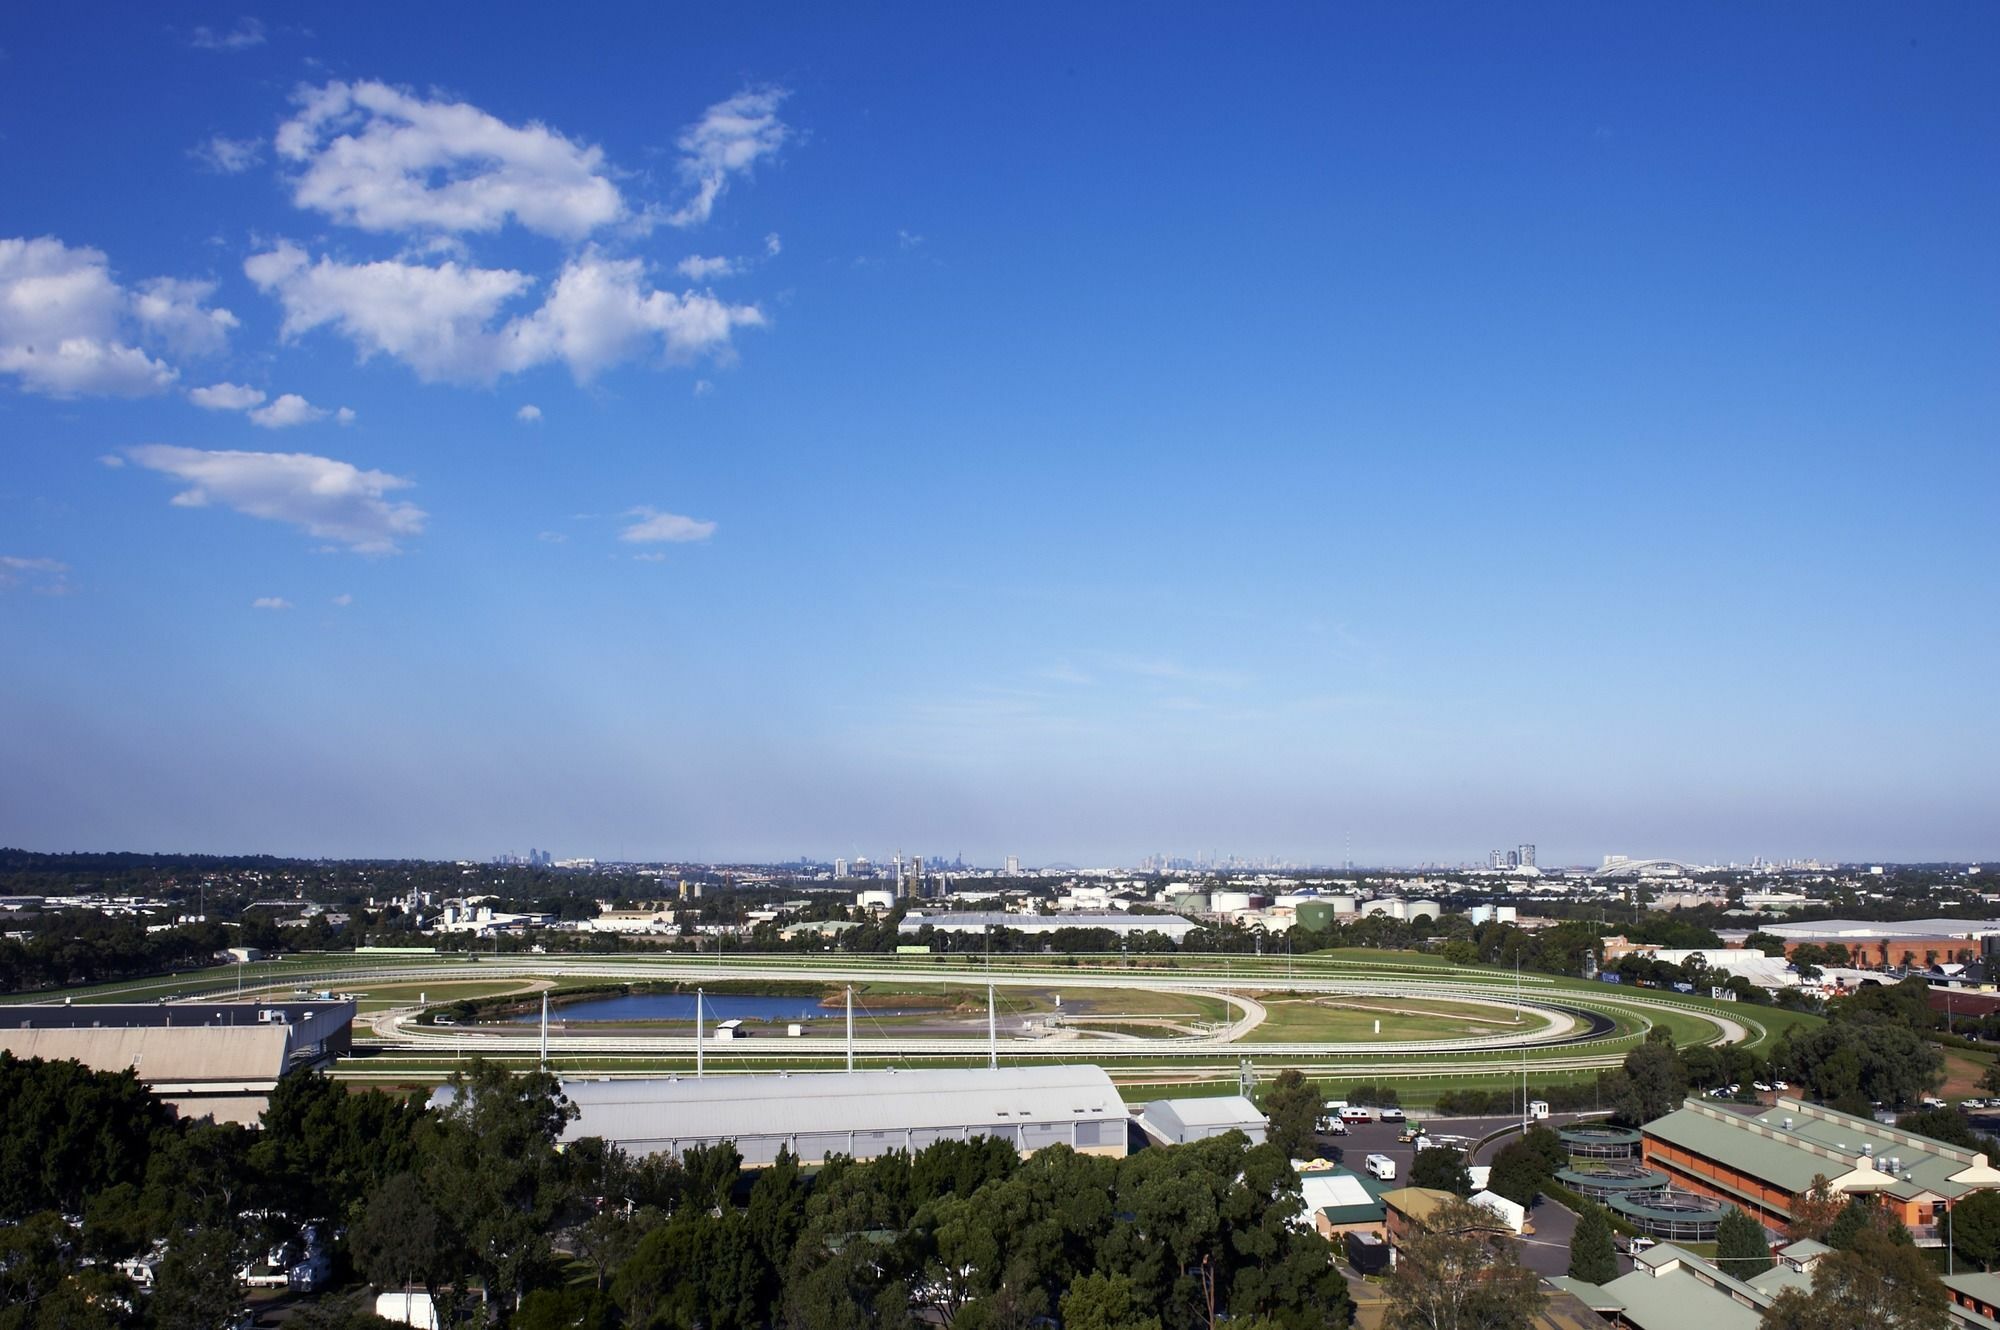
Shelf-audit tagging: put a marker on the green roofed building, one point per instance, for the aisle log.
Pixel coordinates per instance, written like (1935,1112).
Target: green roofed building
(1761,1162)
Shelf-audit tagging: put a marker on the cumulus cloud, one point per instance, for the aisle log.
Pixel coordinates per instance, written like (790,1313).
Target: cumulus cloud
(728,140)
(226,156)
(382,159)
(226,397)
(529,414)
(698,269)
(270,603)
(48,576)
(773,246)
(655,527)
(443,321)
(69,329)
(247,33)
(288,410)
(330,499)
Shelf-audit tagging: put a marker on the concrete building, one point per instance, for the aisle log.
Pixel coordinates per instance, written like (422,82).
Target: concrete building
(1337,1202)
(1179,1121)
(218,1060)
(1762,1163)
(861,1114)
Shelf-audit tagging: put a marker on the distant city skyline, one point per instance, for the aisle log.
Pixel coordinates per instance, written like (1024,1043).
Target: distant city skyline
(1373,435)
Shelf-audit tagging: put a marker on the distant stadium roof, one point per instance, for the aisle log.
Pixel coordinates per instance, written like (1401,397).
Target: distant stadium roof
(978,921)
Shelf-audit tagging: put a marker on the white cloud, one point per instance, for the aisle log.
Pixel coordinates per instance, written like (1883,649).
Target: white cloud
(226,397)
(288,410)
(344,416)
(654,527)
(908,240)
(529,414)
(69,329)
(702,387)
(654,557)
(333,500)
(48,576)
(773,246)
(270,603)
(226,156)
(440,321)
(344,599)
(698,269)
(382,159)
(433,319)
(552,537)
(247,33)
(170,310)
(728,140)
(112,460)
(66,325)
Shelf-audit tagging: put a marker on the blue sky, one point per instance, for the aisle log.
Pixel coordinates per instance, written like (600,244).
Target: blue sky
(1075,432)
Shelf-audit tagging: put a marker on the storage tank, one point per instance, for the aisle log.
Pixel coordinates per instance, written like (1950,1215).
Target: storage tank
(1422,910)
(1316,916)
(1191,902)
(1228,902)
(1343,904)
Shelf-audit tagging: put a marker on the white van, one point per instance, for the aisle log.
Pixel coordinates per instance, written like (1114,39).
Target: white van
(1380,1167)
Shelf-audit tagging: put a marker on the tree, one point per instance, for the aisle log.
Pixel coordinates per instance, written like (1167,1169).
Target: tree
(1740,1246)
(1653,1085)
(1592,1256)
(1974,1227)
(1450,1275)
(1814,1211)
(1105,1302)
(491,1172)
(1878,1282)
(1524,1167)
(1442,1168)
(1292,1105)
(197,1286)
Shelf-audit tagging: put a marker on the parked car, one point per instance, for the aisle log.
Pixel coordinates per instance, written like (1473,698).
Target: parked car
(1760,1086)
(1392,1115)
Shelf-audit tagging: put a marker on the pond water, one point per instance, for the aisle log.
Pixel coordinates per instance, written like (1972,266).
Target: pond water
(680,1007)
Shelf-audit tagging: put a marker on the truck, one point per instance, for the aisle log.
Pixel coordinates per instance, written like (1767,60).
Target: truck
(1380,1167)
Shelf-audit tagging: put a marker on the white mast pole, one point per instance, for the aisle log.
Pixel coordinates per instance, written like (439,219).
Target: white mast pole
(697,1034)
(850,1027)
(992,1032)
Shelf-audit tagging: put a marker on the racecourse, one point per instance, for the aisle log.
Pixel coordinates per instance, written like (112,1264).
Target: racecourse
(1487,1026)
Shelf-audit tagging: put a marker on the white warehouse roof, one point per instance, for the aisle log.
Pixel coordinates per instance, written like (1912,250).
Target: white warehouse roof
(862,1114)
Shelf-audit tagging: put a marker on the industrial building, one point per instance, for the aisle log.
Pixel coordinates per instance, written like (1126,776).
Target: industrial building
(860,1114)
(1179,1121)
(1762,1163)
(209,1059)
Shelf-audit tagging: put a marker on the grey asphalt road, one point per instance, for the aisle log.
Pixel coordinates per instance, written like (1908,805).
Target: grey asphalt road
(1545,1251)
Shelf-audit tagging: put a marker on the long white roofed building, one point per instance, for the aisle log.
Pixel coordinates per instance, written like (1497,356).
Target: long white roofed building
(861,1114)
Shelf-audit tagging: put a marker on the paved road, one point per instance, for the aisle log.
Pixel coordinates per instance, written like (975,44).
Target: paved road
(1545,1251)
